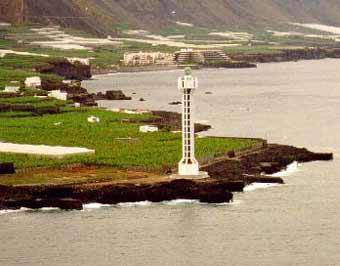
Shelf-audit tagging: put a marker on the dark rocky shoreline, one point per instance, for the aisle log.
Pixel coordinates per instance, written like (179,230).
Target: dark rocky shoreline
(288,55)
(226,176)
(254,167)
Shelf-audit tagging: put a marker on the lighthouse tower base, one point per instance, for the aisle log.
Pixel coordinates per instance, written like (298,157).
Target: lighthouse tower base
(189,171)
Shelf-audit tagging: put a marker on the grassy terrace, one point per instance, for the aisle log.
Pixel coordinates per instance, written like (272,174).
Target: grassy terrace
(19,67)
(8,74)
(34,101)
(117,144)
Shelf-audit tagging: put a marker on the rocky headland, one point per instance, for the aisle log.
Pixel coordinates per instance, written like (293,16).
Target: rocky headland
(228,173)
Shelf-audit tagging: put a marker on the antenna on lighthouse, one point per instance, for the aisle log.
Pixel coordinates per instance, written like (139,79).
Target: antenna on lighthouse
(188,167)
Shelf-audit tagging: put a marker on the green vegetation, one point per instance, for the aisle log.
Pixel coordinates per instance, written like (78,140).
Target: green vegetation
(117,144)
(252,50)
(34,101)
(189,32)
(22,61)
(103,57)
(121,26)
(6,44)
(15,114)
(7,75)
(24,67)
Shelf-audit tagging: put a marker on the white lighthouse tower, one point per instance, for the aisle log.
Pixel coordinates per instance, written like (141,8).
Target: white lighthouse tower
(188,167)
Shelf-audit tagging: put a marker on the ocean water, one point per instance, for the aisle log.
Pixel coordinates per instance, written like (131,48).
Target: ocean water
(293,224)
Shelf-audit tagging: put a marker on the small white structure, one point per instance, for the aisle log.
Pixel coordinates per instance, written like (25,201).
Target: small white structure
(148,128)
(12,89)
(58,95)
(136,112)
(33,82)
(93,119)
(188,167)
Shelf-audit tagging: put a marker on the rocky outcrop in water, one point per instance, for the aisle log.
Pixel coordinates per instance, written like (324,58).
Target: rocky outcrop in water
(113,95)
(254,166)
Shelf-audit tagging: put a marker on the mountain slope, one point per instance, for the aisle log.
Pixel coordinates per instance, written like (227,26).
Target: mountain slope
(104,16)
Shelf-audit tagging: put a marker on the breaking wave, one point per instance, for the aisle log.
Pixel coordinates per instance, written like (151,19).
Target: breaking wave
(180,202)
(255,186)
(95,205)
(134,204)
(29,210)
(290,169)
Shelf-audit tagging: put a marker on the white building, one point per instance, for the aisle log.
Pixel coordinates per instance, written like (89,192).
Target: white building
(142,59)
(58,95)
(33,82)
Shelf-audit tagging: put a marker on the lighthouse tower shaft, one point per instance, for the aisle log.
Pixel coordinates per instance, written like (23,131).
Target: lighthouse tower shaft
(188,166)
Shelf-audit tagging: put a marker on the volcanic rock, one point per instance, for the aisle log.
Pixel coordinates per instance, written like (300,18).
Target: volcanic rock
(64,68)
(116,95)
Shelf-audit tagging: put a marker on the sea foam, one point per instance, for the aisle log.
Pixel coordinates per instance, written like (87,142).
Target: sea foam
(23,209)
(255,186)
(95,205)
(13,211)
(290,169)
(180,202)
(134,204)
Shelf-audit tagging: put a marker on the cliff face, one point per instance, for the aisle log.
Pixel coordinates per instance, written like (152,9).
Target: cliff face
(105,15)
(12,11)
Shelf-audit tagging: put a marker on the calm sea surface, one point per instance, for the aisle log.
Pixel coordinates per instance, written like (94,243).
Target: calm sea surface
(294,224)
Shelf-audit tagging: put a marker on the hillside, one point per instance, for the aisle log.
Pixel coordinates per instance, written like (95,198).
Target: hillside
(108,16)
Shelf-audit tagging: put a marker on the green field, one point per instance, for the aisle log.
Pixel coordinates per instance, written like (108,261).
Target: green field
(117,144)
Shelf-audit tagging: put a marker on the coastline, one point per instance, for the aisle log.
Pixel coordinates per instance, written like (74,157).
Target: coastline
(240,60)
(228,174)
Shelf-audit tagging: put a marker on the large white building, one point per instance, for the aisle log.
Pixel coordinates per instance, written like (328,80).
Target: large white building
(143,59)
